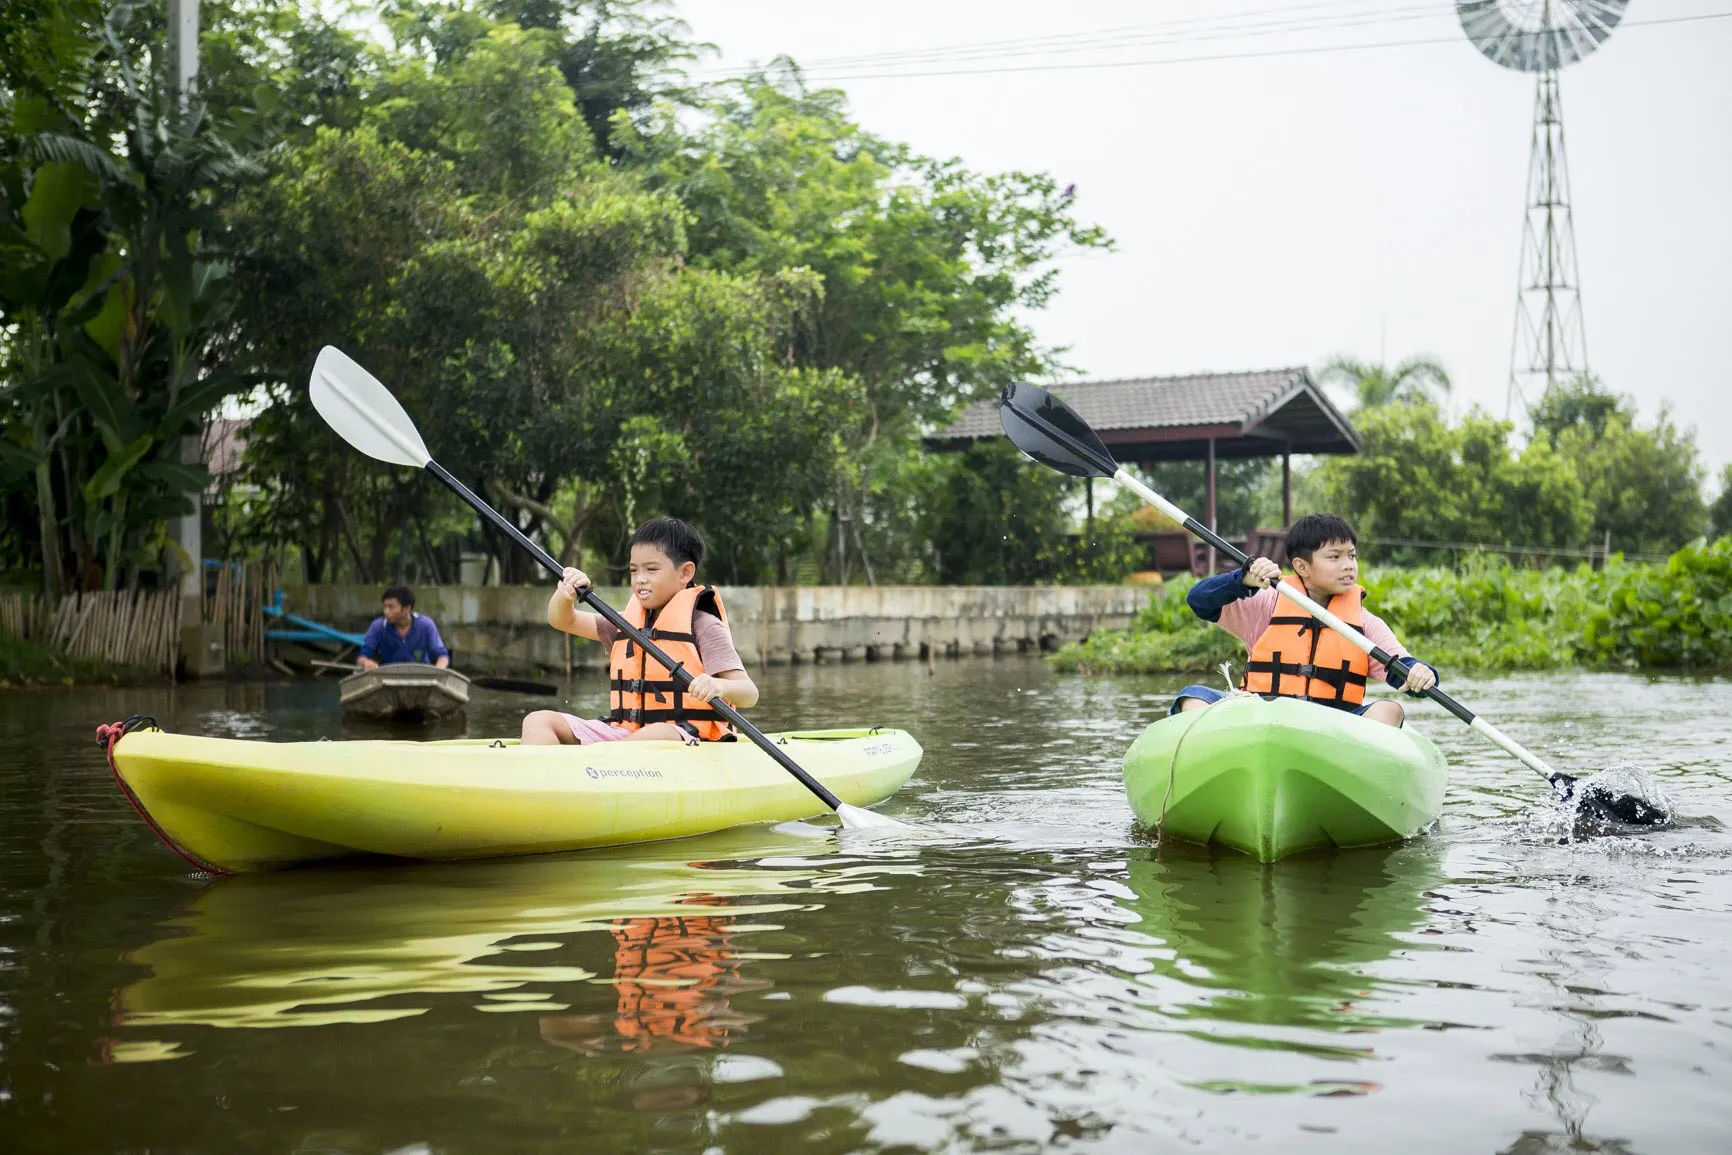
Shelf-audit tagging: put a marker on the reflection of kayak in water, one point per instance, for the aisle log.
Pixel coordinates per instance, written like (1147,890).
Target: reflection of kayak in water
(355,946)
(240,805)
(1289,944)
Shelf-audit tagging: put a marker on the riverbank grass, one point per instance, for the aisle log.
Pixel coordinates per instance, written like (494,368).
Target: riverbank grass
(24,663)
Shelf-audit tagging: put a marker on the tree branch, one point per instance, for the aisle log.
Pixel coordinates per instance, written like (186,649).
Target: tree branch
(582,514)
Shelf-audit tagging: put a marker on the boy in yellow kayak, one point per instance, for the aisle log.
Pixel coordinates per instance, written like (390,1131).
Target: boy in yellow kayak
(1292,653)
(684,619)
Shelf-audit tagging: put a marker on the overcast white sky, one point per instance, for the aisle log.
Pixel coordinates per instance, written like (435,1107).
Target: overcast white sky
(1272,210)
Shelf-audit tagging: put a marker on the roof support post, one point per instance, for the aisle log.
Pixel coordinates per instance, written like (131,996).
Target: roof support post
(1212,502)
(1089,524)
(1286,486)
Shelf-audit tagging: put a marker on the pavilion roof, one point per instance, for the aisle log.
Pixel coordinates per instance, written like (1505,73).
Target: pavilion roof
(1257,414)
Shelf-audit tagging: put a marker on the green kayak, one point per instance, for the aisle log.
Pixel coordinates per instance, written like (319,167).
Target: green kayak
(1274,777)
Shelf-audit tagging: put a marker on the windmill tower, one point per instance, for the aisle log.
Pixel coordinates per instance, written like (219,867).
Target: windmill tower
(1542,36)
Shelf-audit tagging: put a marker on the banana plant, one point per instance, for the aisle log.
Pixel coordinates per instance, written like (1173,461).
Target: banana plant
(107,270)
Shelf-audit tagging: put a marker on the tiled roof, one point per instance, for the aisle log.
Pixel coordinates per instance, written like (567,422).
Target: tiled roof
(1152,402)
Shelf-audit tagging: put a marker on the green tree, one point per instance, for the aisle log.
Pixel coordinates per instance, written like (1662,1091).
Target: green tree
(1247,491)
(1720,513)
(113,294)
(996,518)
(530,304)
(1643,481)
(1421,478)
(1417,378)
(619,57)
(924,265)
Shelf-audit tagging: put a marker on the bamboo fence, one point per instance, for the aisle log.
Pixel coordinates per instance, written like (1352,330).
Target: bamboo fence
(137,628)
(141,628)
(235,608)
(25,616)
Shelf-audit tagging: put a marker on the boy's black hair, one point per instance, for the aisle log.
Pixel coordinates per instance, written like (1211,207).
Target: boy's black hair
(1316,530)
(678,539)
(402,595)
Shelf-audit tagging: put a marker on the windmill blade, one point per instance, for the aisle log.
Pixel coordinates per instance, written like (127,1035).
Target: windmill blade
(1538,35)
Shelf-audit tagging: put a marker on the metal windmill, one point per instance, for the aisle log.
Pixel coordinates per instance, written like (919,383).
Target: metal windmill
(1543,36)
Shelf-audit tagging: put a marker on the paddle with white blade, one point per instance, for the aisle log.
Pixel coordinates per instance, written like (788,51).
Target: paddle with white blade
(362,411)
(1051,432)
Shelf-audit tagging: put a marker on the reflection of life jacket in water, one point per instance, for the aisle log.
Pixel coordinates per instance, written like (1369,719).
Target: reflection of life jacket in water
(673,976)
(1300,657)
(642,690)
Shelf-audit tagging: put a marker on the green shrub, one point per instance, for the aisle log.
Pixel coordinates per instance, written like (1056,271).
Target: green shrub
(26,663)
(1678,614)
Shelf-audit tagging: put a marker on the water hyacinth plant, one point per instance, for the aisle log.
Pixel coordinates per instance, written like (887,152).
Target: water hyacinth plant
(1486,614)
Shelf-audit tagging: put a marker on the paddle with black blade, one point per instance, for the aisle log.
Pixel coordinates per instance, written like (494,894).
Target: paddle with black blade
(365,414)
(1050,432)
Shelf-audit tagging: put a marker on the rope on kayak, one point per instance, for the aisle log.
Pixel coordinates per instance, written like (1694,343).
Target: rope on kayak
(106,737)
(1233,691)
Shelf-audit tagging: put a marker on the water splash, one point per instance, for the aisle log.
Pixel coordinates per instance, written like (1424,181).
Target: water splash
(1621,799)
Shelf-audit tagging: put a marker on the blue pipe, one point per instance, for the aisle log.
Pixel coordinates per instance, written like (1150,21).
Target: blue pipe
(308,631)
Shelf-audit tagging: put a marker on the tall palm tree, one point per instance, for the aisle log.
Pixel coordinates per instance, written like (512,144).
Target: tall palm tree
(1415,379)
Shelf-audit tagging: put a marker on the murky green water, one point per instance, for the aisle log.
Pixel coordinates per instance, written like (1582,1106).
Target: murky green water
(1047,979)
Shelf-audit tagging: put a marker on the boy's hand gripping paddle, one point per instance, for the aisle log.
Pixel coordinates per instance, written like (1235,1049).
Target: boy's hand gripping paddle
(1052,433)
(362,411)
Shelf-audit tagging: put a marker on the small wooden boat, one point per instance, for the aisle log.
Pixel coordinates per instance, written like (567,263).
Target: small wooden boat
(404,692)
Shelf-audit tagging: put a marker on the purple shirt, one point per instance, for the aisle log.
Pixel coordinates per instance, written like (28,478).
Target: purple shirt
(385,645)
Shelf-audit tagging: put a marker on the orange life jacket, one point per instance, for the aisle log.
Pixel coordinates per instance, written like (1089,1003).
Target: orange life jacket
(1300,657)
(641,690)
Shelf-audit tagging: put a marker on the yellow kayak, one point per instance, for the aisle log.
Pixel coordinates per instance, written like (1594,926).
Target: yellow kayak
(232,806)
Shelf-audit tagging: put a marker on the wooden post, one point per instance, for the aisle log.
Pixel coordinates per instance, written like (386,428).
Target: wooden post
(1212,502)
(1286,487)
(1089,523)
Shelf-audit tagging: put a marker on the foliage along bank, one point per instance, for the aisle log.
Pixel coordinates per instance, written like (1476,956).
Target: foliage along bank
(1486,615)
(604,293)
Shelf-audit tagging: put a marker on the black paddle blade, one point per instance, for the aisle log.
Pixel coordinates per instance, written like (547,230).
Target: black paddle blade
(1049,431)
(1596,802)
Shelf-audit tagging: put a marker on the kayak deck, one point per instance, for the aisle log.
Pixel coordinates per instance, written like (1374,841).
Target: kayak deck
(1271,778)
(242,805)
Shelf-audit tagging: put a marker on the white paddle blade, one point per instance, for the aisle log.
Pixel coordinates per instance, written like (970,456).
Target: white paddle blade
(856,818)
(362,411)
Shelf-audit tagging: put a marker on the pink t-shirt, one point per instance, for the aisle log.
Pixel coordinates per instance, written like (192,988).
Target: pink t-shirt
(715,644)
(1247,618)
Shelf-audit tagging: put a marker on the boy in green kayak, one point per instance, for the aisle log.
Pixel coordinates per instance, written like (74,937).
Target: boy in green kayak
(1292,653)
(685,619)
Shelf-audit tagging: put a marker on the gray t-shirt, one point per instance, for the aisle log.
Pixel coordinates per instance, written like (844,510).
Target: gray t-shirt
(715,644)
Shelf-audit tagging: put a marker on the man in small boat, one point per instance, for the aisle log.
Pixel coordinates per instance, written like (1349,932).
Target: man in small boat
(685,619)
(400,634)
(1292,653)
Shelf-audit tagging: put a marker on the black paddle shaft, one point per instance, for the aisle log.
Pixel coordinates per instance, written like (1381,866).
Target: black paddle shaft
(680,673)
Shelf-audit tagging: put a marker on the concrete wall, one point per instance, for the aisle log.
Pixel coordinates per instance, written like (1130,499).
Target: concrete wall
(507,625)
